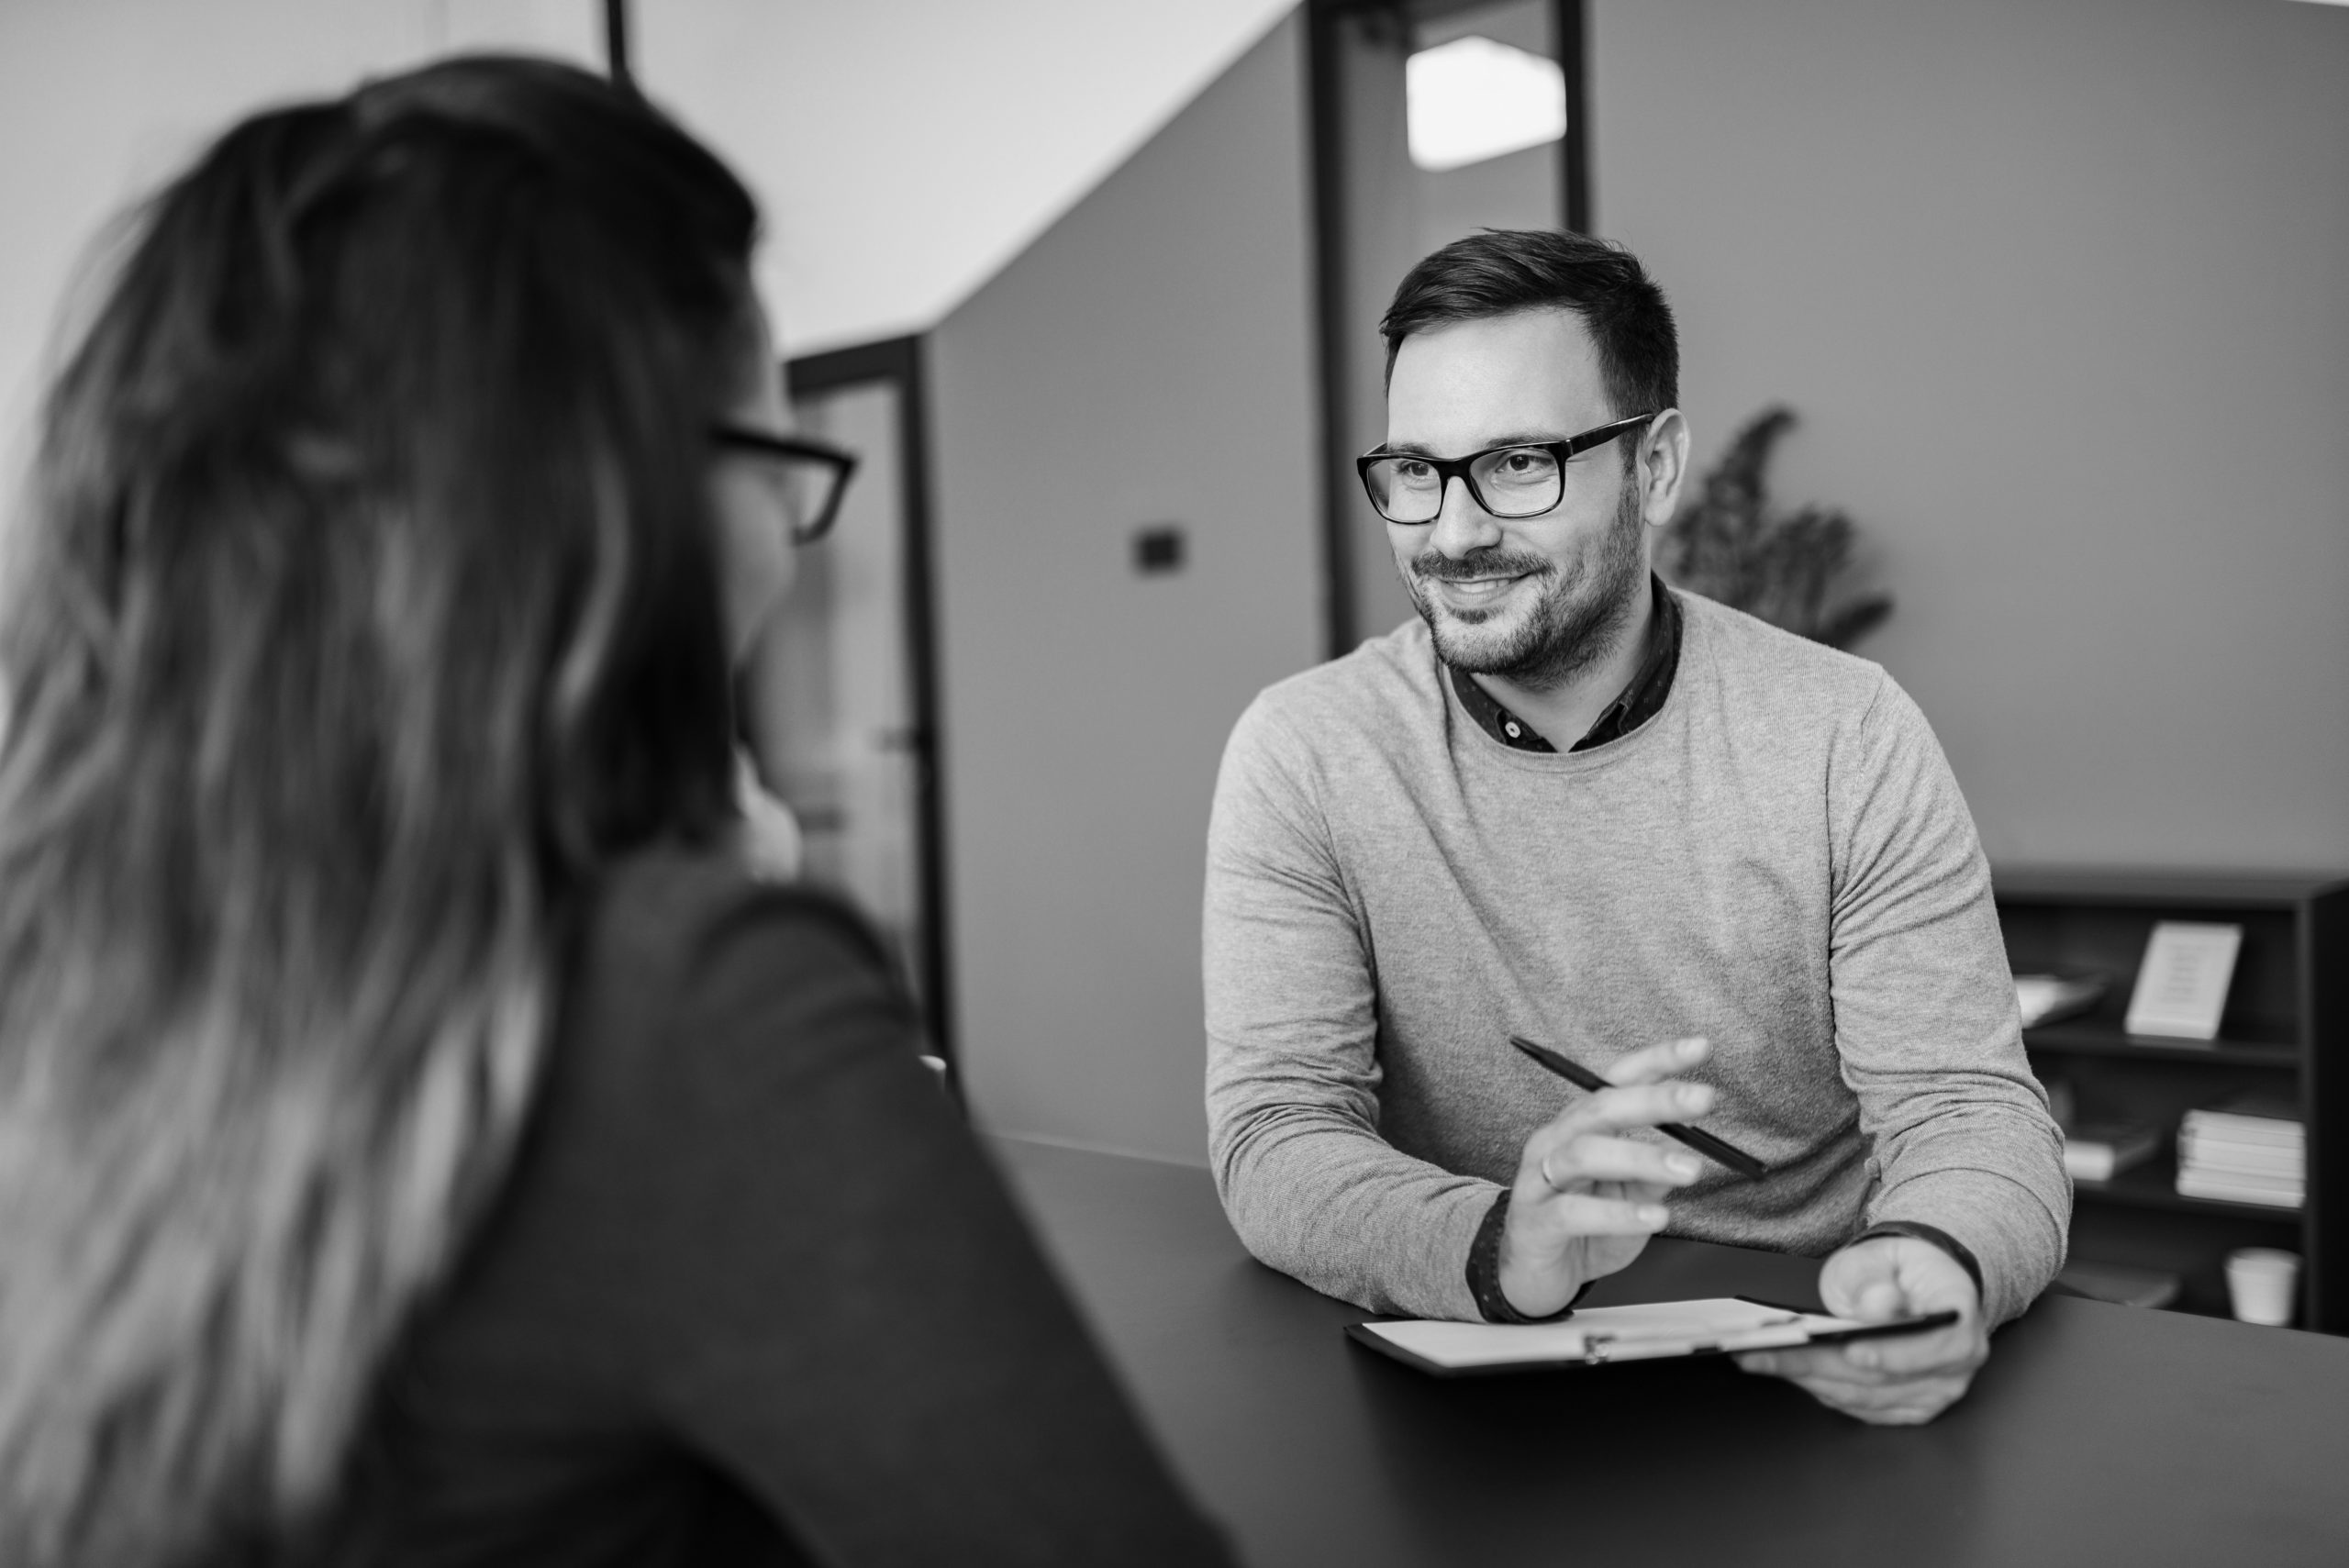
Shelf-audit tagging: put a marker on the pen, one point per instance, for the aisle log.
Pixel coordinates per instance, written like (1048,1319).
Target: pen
(1703,1142)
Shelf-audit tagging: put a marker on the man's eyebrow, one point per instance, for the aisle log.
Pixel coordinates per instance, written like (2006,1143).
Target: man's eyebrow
(1420,449)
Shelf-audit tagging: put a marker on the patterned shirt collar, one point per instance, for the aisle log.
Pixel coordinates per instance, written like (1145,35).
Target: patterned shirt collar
(1636,704)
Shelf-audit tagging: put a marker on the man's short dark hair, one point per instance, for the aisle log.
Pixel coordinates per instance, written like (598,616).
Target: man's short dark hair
(1501,271)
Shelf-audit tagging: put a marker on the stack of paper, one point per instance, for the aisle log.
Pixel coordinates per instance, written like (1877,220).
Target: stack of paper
(2252,1148)
(2099,1151)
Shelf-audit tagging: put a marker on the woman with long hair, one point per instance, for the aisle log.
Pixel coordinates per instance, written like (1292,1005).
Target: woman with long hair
(419,1140)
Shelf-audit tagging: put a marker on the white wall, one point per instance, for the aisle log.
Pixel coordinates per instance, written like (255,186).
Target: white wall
(906,149)
(1147,360)
(2061,291)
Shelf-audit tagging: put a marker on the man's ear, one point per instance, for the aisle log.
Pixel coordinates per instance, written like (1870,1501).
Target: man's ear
(1663,466)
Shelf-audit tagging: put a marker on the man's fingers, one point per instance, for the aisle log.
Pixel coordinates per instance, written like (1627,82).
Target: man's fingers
(1895,1379)
(1638,1105)
(1891,1404)
(1906,1403)
(1880,1301)
(1652,1063)
(1591,1158)
(1951,1349)
(1802,1361)
(1585,1214)
(1955,1351)
(1891,1360)
(1814,1370)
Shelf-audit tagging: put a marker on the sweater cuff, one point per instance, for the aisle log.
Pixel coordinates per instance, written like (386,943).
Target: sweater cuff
(1484,1270)
(2015,1234)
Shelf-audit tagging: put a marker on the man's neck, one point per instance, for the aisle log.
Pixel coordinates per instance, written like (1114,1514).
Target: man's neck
(1564,712)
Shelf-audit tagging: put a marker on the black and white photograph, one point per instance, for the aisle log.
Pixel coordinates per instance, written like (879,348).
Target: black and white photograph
(1019,783)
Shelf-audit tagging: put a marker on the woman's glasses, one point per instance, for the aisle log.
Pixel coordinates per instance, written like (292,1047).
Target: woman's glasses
(812,474)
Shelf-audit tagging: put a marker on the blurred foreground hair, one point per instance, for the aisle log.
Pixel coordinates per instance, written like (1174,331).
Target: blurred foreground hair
(365,607)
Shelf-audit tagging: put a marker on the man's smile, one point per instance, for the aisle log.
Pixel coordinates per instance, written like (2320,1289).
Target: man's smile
(1474,593)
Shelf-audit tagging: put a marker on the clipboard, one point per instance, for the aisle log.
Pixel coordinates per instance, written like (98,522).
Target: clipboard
(1601,1336)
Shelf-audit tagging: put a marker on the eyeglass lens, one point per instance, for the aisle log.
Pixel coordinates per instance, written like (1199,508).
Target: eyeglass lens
(1514,482)
(808,490)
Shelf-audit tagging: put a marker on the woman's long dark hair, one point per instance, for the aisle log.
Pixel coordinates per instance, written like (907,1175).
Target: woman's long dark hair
(364,607)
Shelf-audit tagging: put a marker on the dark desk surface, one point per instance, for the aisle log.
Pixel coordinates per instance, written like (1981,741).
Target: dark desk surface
(2096,1435)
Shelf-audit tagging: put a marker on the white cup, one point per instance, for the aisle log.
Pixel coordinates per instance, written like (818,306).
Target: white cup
(2260,1282)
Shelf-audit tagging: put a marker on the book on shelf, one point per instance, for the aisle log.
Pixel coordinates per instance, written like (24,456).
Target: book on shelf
(2275,1192)
(2257,1120)
(2201,1151)
(2181,986)
(2250,1149)
(2043,998)
(2099,1151)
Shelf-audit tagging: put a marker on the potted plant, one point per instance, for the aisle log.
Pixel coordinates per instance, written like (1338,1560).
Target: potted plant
(1786,567)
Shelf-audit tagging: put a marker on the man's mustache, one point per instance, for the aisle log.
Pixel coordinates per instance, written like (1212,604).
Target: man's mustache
(1493,563)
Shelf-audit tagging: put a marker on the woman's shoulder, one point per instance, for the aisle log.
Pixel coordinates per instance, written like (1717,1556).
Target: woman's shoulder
(685,959)
(673,911)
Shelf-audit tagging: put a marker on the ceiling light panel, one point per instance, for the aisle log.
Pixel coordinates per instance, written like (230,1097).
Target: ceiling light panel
(1472,99)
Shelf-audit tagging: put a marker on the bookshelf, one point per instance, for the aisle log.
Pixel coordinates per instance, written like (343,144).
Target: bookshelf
(2286,1030)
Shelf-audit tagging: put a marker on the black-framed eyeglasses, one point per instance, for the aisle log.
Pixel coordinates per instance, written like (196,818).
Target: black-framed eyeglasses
(814,475)
(1520,481)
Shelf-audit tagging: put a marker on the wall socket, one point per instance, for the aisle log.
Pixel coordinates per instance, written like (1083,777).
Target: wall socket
(1158,548)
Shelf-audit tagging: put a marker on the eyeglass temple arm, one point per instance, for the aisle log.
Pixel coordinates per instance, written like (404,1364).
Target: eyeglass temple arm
(1604,434)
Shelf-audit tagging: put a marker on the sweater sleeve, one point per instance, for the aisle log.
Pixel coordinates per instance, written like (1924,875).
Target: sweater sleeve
(1925,1022)
(1292,1075)
(835,1300)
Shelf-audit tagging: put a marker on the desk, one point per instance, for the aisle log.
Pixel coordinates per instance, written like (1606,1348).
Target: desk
(2096,1435)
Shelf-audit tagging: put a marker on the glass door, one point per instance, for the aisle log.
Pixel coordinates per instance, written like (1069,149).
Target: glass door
(837,700)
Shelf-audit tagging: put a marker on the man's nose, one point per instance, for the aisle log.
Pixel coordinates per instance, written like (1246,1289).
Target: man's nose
(1461,525)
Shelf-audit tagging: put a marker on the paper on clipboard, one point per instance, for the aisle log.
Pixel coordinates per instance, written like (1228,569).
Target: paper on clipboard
(1601,1334)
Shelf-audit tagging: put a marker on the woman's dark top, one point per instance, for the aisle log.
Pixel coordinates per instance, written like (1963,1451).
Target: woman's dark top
(752,1294)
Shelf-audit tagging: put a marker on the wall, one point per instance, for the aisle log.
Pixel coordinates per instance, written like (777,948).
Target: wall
(906,149)
(2061,291)
(1147,360)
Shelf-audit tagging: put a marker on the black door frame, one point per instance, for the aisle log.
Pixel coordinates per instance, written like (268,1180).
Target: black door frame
(616,41)
(1327,127)
(897,362)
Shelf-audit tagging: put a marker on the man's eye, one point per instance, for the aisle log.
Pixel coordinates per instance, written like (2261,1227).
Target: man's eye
(1412,471)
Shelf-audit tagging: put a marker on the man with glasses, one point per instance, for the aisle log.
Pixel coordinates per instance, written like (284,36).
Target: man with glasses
(1725,868)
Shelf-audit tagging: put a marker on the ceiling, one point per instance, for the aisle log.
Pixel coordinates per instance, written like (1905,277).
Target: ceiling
(905,149)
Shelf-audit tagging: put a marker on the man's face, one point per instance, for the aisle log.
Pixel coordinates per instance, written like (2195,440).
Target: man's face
(1537,599)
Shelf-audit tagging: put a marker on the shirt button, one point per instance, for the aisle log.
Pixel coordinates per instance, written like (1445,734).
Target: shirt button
(1513,731)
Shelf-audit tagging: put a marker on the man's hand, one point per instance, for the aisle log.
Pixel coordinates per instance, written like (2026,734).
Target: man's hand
(1903,1379)
(1586,1200)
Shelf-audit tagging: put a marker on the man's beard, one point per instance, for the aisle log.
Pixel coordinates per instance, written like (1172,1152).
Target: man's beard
(1576,621)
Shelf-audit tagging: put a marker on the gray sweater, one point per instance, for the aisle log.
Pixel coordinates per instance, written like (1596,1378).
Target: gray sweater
(1779,860)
